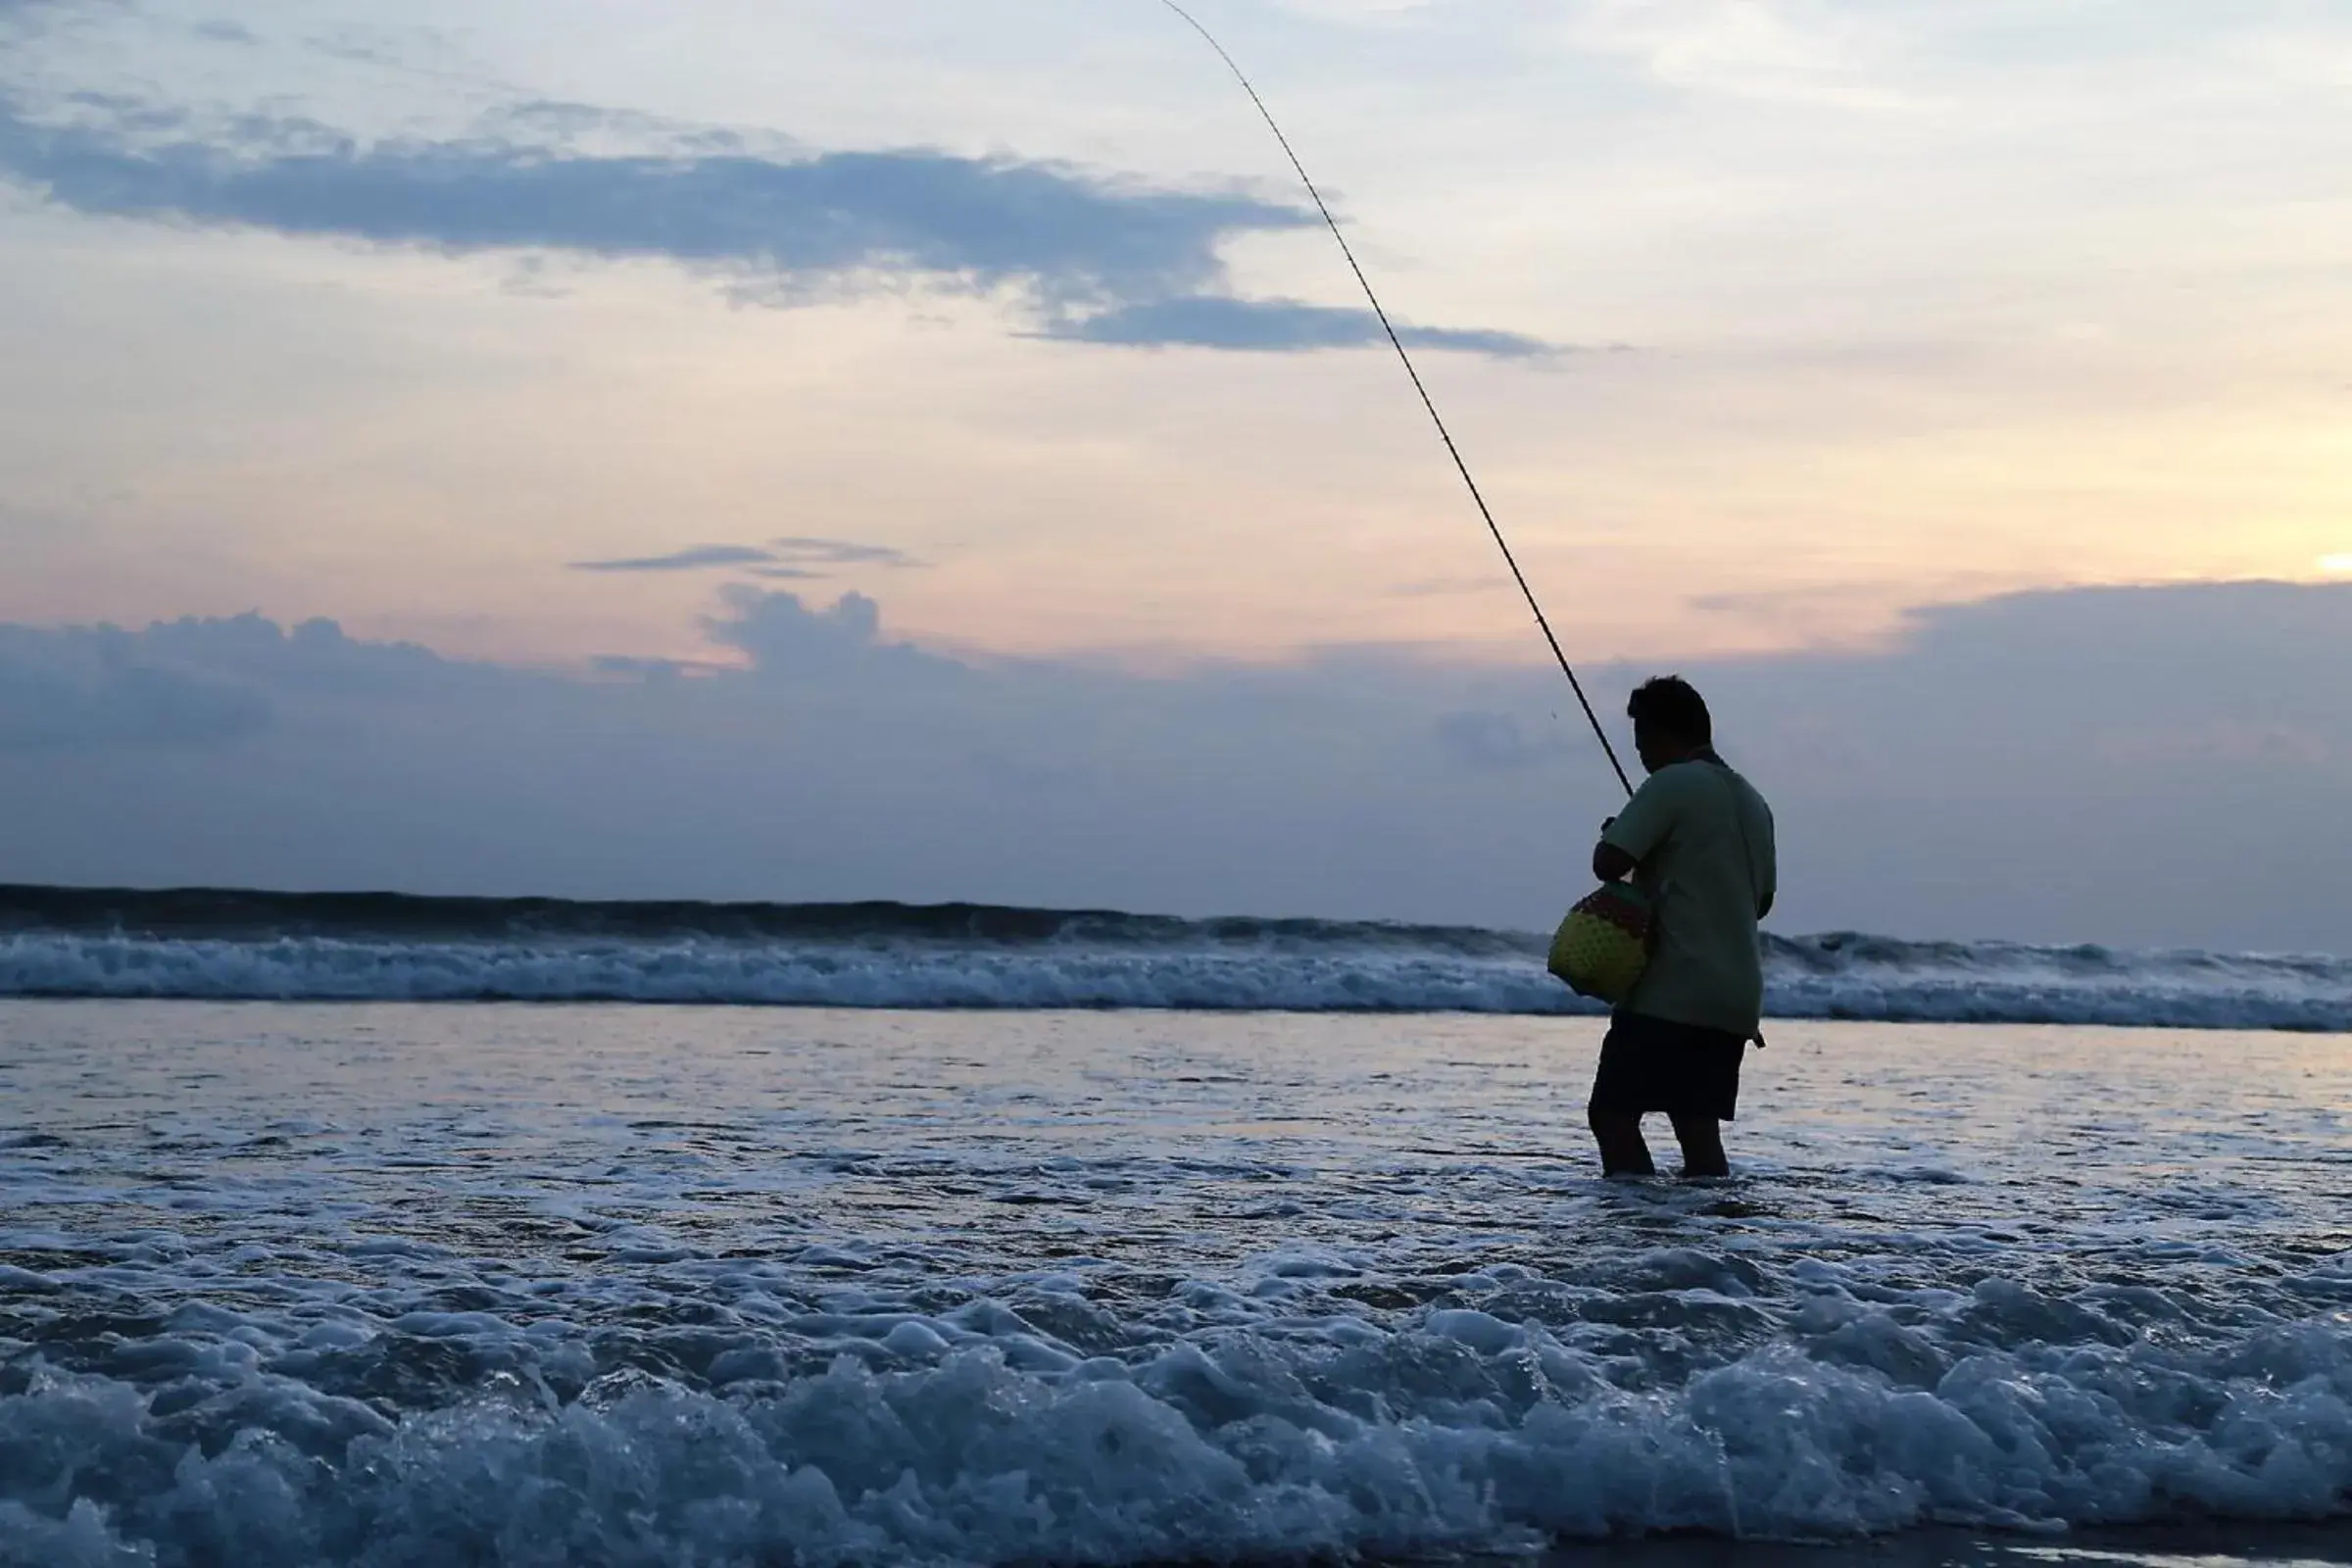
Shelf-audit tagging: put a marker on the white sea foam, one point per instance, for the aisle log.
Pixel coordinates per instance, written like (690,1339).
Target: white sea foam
(943,1445)
(1828,977)
(384,1287)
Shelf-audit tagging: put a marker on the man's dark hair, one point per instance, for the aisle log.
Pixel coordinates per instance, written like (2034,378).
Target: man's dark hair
(1670,705)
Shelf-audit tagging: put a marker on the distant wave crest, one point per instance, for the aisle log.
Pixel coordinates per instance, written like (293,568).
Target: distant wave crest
(228,946)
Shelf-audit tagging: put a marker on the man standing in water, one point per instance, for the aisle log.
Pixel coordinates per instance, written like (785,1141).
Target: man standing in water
(1698,840)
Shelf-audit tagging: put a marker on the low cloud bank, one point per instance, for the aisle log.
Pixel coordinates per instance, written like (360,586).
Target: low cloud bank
(2135,766)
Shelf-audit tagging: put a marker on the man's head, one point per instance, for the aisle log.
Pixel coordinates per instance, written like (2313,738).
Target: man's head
(1670,722)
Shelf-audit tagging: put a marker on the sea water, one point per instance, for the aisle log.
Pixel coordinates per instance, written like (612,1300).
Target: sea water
(377,1283)
(215,945)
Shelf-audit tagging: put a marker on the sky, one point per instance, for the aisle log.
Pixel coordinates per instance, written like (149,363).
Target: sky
(823,449)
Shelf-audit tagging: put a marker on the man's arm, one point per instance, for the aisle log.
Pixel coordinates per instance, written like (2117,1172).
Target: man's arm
(1633,833)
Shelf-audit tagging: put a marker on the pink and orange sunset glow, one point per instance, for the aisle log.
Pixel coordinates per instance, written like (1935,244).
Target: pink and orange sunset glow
(1783,334)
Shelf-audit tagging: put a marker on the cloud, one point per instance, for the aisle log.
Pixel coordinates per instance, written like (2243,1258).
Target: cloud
(700,558)
(314,657)
(101,687)
(784,637)
(2136,766)
(23,11)
(1091,258)
(777,630)
(1213,322)
(625,666)
(22,21)
(792,558)
(1798,55)
(811,553)
(982,222)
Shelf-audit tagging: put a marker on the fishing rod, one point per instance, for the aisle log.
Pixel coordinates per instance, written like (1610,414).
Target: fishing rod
(1410,370)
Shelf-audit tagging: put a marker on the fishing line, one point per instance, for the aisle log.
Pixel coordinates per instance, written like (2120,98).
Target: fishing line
(1419,386)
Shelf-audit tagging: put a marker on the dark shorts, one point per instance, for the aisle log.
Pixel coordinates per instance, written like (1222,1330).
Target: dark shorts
(1680,1068)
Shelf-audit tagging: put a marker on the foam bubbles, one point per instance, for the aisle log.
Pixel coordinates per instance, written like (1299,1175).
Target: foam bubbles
(385,1285)
(1172,966)
(1477,1433)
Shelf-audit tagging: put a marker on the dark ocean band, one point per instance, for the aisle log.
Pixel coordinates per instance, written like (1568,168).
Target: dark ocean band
(230,944)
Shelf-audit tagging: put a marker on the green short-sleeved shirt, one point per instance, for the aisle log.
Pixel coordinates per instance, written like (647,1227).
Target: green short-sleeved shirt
(1702,838)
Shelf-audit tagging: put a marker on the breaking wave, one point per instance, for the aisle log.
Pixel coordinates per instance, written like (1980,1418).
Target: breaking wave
(1467,1433)
(237,946)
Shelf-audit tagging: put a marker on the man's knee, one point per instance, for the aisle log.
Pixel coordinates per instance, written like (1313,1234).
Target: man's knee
(1607,1125)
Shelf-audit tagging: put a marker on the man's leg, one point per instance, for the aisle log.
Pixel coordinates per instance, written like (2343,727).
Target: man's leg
(1701,1138)
(1622,1151)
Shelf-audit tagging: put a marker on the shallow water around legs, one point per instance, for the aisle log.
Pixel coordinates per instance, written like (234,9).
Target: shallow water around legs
(422,1285)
